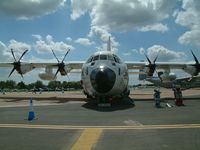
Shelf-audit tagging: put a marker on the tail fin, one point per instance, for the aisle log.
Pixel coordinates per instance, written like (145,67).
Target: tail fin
(109,44)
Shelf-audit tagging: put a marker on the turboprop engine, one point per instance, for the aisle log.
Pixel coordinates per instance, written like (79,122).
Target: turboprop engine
(193,69)
(20,67)
(167,76)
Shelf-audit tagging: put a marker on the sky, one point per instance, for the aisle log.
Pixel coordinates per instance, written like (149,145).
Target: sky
(167,28)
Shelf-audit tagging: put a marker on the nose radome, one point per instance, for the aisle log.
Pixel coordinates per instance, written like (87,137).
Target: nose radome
(103,79)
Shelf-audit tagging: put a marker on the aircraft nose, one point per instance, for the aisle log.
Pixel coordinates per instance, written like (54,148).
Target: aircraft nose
(103,79)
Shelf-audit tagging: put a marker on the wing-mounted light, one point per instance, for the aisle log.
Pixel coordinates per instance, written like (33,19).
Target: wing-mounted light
(196,65)
(17,64)
(151,67)
(61,65)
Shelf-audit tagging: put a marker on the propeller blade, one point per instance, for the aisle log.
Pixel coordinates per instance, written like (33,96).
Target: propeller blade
(17,64)
(65,55)
(13,54)
(68,77)
(22,76)
(56,72)
(65,71)
(23,54)
(148,59)
(11,71)
(155,59)
(151,66)
(55,55)
(60,65)
(195,58)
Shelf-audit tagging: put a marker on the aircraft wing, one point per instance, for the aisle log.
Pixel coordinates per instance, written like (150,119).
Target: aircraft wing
(72,65)
(159,65)
(135,65)
(6,64)
(189,79)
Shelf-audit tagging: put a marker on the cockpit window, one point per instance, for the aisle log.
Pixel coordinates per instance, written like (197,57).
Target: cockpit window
(90,59)
(117,59)
(110,57)
(103,57)
(96,58)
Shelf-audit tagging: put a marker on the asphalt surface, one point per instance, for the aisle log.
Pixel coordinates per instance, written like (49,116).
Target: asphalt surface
(81,125)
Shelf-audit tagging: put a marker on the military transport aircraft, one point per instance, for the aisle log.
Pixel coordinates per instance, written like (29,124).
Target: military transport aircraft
(104,75)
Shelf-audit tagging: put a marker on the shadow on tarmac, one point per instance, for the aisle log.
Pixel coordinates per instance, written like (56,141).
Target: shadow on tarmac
(53,99)
(119,104)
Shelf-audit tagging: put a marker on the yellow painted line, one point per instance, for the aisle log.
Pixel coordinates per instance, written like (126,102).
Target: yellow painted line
(71,127)
(88,139)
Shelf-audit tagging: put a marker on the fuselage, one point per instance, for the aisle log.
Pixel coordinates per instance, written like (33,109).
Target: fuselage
(104,75)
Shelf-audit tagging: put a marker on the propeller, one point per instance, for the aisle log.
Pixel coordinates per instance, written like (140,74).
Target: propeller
(196,65)
(17,64)
(60,65)
(151,66)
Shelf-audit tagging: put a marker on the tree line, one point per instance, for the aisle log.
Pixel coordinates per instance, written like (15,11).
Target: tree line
(52,85)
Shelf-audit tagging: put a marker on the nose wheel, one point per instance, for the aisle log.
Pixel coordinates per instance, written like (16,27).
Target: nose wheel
(103,102)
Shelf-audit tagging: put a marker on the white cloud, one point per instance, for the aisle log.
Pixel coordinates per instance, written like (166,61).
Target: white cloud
(127,54)
(155,27)
(100,32)
(39,37)
(4,55)
(46,45)
(69,39)
(164,54)
(188,17)
(84,41)
(18,48)
(79,8)
(190,37)
(103,34)
(142,51)
(26,9)
(103,47)
(123,15)
(135,51)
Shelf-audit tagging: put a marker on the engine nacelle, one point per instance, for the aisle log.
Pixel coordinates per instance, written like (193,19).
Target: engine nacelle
(47,75)
(167,76)
(24,68)
(149,71)
(191,70)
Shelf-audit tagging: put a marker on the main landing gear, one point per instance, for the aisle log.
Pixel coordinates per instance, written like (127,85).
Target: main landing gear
(104,101)
(157,98)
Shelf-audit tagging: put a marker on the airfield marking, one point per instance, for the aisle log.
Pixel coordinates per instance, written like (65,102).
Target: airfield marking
(71,127)
(88,139)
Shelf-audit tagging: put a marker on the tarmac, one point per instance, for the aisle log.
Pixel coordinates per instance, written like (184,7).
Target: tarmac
(67,121)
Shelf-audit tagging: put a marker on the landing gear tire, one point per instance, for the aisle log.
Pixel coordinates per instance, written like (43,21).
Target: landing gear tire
(103,102)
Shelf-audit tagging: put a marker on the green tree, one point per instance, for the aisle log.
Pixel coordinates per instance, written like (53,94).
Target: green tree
(10,84)
(39,84)
(21,85)
(71,85)
(54,84)
(2,84)
(31,86)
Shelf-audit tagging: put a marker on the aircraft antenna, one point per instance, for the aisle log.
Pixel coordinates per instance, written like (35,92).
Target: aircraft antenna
(109,44)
